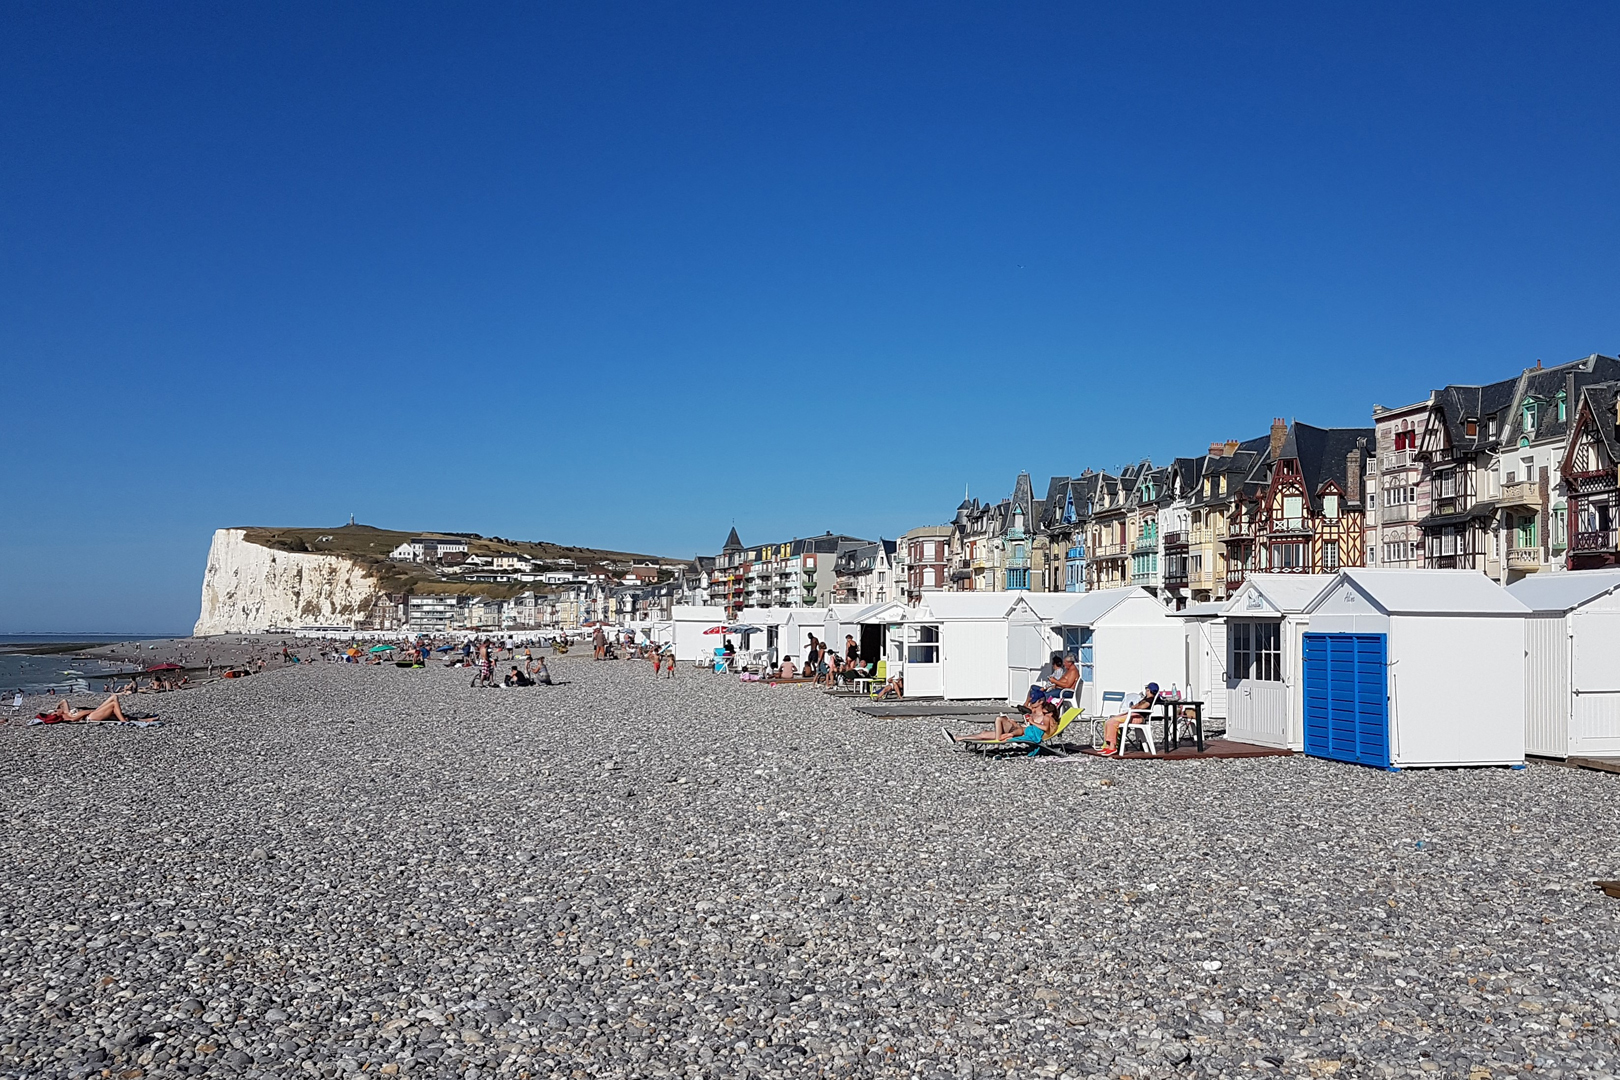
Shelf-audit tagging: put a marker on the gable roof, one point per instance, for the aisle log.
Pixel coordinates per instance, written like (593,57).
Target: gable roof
(965,605)
(1094,605)
(1565,591)
(1427,592)
(1288,594)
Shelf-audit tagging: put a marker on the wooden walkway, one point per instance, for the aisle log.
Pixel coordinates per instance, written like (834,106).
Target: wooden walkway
(1213,748)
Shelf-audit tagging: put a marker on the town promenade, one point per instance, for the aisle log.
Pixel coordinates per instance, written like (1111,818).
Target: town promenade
(333,869)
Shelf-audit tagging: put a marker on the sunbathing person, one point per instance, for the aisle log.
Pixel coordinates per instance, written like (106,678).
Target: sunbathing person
(67,714)
(1143,708)
(895,688)
(1041,722)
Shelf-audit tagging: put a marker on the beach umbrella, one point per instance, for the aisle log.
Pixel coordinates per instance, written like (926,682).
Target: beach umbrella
(445,648)
(382,648)
(717,630)
(746,630)
(164,667)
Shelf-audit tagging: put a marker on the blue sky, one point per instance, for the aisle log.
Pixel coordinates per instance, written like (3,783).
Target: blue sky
(624,274)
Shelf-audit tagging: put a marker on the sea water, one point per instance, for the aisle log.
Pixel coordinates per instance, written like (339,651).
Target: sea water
(62,672)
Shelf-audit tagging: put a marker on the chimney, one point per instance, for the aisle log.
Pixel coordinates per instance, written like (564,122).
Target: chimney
(1279,435)
(1232,447)
(1216,449)
(1352,471)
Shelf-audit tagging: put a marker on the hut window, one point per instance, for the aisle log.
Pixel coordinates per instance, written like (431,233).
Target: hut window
(1077,642)
(1267,652)
(923,647)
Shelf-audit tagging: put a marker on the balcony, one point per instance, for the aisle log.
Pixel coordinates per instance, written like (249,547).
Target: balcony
(1600,540)
(1526,493)
(1527,560)
(1075,553)
(1145,544)
(1239,531)
(1178,538)
(1108,551)
(1234,577)
(1394,459)
(1175,577)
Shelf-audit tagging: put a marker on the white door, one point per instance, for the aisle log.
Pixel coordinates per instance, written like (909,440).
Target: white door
(1595,723)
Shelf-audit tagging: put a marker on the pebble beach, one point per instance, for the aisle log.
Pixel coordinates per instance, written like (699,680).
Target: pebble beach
(334,870)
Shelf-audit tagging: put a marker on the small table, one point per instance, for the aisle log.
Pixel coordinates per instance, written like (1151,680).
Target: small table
(862,685)
(1171,717)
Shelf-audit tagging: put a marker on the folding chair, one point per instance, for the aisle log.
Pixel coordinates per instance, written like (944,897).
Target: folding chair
(1109,698)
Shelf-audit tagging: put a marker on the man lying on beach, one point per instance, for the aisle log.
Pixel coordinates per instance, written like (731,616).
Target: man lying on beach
(67,714)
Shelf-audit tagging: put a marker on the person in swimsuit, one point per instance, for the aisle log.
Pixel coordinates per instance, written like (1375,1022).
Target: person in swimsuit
(1041,722)
(67,714)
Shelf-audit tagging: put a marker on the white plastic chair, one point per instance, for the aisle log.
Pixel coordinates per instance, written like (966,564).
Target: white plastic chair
(1104,711)
(1144,729)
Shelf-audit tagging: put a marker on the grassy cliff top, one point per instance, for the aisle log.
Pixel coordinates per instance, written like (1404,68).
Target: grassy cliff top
(370,547)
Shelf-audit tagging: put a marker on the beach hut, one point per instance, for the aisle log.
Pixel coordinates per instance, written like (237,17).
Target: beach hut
(770,621)
(956,645)
(1405,668)
(838,620)
(688,622)
(1262,625)
(1123,639)
(1032,638)
(1571,663)
(880,632)
(793,635)
(1204,641)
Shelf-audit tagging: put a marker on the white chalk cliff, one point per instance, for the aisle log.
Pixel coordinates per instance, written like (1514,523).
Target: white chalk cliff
(248,588)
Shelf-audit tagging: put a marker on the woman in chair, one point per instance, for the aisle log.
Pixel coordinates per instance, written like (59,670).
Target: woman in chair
(1143,708)
(1041,722)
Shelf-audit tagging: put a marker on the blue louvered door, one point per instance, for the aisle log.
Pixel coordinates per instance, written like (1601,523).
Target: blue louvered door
(1347,698)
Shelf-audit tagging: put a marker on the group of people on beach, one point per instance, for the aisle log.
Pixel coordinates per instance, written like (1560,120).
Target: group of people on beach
(1040,716)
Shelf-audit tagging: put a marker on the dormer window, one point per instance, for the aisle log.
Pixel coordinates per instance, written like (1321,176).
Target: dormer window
(1471,428)
(1530,418)
(1563,407)
(1490,426)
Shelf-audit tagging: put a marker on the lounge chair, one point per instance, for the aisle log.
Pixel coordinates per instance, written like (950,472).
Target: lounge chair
(1037,744)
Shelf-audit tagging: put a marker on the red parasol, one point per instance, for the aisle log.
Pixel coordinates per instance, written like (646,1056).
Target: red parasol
(164,667)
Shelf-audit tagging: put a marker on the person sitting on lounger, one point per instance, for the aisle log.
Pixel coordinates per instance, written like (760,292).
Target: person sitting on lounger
(1041,722)
(1143,708)
(894,689)
(67,714)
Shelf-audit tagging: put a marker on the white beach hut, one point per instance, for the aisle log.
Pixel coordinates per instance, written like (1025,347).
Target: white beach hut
(1123,639)
(1204,639)
(688,624)
(769,620)
(1263,622)
(1032,637)
(881,635)
(793,635)
(1404,668)
(956,645)
(1571,663)
(838,620)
